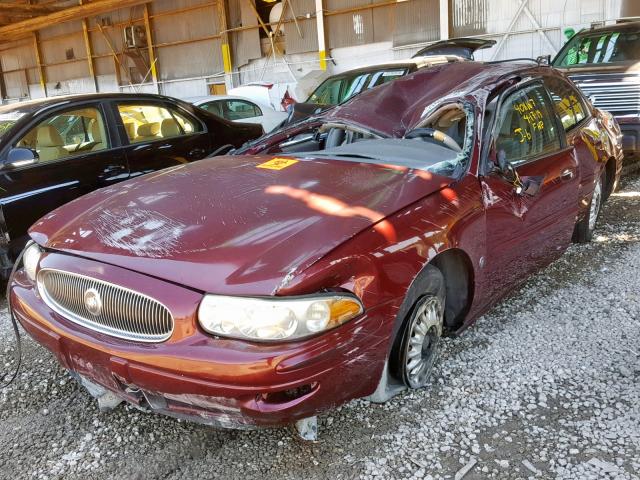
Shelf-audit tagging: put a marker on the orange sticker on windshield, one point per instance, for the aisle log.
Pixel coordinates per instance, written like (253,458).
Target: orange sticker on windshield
(278,163)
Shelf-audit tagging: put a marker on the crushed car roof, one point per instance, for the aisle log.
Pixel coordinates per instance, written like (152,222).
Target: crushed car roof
(394,107)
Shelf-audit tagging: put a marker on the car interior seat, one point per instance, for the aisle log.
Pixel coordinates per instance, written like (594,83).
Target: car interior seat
(335,138)
(130,128)
(170,128)
(96,134)
(49,144)
(509,140)
(29,140)
(147,131)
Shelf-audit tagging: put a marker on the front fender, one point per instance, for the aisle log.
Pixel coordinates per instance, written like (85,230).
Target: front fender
(378,269)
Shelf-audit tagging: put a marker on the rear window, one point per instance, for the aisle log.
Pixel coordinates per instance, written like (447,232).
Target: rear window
(600,48)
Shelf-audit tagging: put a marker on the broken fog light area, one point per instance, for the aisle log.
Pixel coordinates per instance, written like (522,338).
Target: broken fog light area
(285,396)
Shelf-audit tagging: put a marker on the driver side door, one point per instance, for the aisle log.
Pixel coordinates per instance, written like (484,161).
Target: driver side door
(76,153)
(526,231)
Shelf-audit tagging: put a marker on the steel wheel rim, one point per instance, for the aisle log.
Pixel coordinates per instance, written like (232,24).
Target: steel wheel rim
(596,199)
(422,344)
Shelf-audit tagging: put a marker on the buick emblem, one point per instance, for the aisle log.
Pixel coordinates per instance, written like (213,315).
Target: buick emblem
(93,302)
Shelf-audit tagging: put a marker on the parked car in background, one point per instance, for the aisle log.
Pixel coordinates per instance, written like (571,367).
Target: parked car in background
(259,92)
(605,63)
(326,264)
(339,88)
(239,109)
(57,149)
(463,47)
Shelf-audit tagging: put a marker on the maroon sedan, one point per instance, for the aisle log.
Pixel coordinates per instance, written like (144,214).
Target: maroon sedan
(263,289)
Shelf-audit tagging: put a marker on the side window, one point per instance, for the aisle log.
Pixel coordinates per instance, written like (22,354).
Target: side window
(384,76)
(67,134)
(213,107)
(526,126)
(239,109)
(327,93)
(148,122)
(566,101)
(187,124)
(354,86)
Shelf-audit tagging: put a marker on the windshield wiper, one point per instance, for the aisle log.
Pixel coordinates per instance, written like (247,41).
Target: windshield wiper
(350,155)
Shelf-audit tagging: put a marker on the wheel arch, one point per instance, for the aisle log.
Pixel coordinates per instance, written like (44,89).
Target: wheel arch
(457,269)
(610,172)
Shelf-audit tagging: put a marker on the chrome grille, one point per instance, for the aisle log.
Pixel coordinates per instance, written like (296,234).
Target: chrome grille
(618,93)
(117,311)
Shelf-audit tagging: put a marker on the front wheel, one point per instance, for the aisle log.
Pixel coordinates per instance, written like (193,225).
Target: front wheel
(585,227)
(420,345)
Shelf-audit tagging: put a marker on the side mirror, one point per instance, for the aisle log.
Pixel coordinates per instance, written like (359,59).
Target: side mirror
(20,157)
(523,185)
(504,166)
(543,60)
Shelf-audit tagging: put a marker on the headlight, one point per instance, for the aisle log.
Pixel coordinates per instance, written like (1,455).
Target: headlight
(30,260)
(275,318)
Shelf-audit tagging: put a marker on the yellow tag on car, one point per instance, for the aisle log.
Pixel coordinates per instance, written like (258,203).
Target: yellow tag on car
(278,163)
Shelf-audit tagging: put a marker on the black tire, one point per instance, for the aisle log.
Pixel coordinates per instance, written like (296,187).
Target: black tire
(584,229)
(419,337)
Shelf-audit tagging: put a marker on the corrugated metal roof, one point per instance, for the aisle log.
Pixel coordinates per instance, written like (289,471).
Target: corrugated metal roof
(417,21)
(308,42)
(245,44)
(189,60)
(469,18)
(198,23)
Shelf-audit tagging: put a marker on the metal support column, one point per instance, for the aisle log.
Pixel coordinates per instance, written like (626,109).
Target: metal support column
(444,19)
(322,53)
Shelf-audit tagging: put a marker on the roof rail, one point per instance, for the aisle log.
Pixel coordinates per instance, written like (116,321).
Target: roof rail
(542,60)
(627,19)
(520,59)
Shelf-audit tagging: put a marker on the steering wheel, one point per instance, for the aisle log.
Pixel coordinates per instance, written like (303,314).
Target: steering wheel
(425,133)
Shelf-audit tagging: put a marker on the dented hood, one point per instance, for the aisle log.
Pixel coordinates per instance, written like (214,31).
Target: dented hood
(234,225)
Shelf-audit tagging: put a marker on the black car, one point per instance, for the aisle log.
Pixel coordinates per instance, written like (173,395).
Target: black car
(604,63)
(57,149)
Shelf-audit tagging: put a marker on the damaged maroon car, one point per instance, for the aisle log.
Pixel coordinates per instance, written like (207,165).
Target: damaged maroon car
(325,264)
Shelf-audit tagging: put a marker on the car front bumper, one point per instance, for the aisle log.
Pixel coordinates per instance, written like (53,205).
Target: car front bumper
(220,382)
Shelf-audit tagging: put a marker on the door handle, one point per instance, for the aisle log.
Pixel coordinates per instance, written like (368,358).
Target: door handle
(113,169)
(196,153)
(567,174)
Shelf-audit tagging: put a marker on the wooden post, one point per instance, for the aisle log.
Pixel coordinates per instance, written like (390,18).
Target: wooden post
(152,57)
(43,79)
(225,44)
(3,87)
(87,44)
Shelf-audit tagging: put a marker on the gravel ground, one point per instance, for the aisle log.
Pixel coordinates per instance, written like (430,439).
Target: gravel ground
(544,386)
